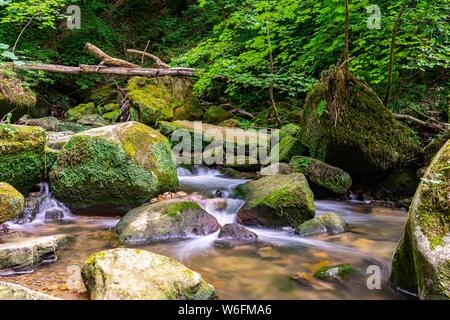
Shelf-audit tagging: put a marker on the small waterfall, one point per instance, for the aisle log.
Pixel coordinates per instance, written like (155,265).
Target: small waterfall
(51,209)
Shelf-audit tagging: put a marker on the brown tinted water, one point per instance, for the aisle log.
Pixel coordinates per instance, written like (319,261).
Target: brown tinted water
(260,271)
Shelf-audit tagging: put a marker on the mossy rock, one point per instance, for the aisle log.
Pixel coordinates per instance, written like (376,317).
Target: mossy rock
(434,146)
(77,113)
(191,112)
(15,98)
(277,201)
(14,292)
(216,114)
(11,203)
(340,271)
(421,263)
(398,184)
(364,137)
(104,95)
(173,218)
(131,274)
(111,116)
(330,223)
(22,156)
(322,175)
(47,123)
(113,168)
(231,123)
(156,99)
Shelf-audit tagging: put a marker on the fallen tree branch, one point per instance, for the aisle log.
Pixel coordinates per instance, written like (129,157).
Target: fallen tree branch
(243,113)
(90,69)
(158,62)
(433,125)
(108,60)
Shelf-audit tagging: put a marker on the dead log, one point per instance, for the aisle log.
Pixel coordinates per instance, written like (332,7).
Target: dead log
(108,60)
(90,69)
(158,62)
(432,125)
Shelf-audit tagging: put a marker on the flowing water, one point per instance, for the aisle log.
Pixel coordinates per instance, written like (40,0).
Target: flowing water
(262,270)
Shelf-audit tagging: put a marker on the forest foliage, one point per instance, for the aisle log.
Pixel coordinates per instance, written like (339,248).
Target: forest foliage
(254,44)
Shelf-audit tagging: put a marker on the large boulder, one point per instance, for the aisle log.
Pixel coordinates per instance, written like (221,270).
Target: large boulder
(216,115)
(330,223)
(11,203)
(129,274)
(277,201)
(421,263)
(22,156)
(11,291)
(359,135)
(173,218)
(15,98)
(322,175)
(112,169)
(25,255)
(156,99)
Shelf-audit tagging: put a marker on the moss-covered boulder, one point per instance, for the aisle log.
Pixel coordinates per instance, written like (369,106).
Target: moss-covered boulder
(435,145)
(277,201)
(77,113)
(11,203)
(113,169)
(356,132)
(13,292)
(398,184)
(191,112)
(15,98)
(22,156)
(156,99)
(173,218)
(130,274)
(330,223)
(421,263)
(289,144)
(216,114)
(322,175)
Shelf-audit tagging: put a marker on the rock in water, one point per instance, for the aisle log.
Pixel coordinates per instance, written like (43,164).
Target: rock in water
(23,256)
(172,218)
(327,222)
(234,231)
(11,203)
(334,272)
(322,175)
(277,201)
(112,169)
(22,156)
(11,291)
(129,274)
(421,263)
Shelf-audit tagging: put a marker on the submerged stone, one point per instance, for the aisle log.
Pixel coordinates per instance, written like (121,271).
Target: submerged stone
(334,272)
(11,291)
(130,274)
(25,255)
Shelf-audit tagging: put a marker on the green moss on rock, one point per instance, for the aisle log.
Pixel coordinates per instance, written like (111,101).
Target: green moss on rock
(156,99)
(321,174)
(333,272)
(216,114)
(364,138)
(422,260)
(278,201)
(330,223)
(113,168)
(15,98)
(11,203)
(22,157)
(77,113)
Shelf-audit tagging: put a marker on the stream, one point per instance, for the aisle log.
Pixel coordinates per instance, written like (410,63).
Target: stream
(262,270)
